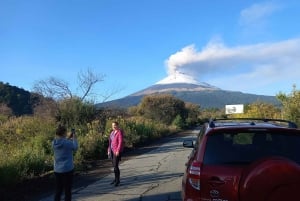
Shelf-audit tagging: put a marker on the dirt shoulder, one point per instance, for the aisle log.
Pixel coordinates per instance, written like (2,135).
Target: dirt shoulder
(36,189)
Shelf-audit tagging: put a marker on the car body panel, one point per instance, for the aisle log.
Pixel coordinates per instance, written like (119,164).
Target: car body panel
(225,183)
(236,161)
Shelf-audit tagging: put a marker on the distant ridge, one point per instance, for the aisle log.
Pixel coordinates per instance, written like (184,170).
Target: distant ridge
(207,96)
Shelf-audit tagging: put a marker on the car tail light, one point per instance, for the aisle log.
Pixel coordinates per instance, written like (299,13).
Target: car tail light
(194,175)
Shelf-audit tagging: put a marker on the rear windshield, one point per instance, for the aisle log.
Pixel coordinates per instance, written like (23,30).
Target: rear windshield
(246,147)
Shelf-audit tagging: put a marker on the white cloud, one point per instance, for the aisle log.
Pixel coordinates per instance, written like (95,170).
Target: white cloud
(257,13)
(239,68)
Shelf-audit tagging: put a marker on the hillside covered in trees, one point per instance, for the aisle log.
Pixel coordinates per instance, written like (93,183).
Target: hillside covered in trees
(16,101)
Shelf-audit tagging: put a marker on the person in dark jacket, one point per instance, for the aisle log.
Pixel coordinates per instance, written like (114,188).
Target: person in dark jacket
(115,148)
(63,148)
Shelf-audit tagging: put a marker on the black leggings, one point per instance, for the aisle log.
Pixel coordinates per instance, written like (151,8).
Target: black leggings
(63,182)
(115,162)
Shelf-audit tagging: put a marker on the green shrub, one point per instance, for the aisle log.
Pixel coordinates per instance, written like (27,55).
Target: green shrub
(26,143)
(23,163)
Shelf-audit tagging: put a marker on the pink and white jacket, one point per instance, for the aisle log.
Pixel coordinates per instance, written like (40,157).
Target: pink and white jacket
(116,141)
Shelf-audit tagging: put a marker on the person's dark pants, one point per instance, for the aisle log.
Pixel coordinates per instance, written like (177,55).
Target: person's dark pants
(115,162)
(63,182)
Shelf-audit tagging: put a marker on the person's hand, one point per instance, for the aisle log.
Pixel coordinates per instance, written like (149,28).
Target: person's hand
(117,153)
(70,135)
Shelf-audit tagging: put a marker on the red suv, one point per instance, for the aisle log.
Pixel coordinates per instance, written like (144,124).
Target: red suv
(243,160)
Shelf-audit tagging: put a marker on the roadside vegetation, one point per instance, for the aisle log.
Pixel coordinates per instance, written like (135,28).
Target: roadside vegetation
(25,140)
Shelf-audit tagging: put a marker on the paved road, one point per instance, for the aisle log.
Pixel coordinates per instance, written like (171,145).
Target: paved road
(155,175)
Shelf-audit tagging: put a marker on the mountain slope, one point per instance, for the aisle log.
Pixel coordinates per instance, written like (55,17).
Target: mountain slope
(178,87)
(207,96)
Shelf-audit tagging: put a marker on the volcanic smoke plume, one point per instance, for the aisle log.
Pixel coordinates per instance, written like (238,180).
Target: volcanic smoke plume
(218,64)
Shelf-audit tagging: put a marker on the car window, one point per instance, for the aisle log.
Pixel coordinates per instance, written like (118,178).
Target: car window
(246,147)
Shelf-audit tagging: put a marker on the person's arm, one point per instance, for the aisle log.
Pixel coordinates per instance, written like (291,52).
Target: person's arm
(75,142)
(120,142)
(72,141)
(109,148)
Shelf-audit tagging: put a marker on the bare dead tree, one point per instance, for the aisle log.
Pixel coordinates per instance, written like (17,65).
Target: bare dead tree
(87,80)
(53,88)
(109,93)
(58,89)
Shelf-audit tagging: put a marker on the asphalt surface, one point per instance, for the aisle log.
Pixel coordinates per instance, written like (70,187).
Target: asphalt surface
(152,175)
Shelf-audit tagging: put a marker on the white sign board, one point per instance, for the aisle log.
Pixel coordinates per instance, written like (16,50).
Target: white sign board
(234,109)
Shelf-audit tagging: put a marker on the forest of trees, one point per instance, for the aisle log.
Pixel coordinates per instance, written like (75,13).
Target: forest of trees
(16,101)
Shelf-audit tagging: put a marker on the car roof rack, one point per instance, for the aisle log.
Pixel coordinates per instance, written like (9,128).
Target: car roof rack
(278,122)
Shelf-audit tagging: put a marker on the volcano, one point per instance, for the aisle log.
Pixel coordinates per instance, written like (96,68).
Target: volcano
(188,89)
(178,82)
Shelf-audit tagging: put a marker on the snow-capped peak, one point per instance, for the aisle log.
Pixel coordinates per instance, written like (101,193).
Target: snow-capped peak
(178,77)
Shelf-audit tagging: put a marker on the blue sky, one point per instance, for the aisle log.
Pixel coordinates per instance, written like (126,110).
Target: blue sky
(247,46)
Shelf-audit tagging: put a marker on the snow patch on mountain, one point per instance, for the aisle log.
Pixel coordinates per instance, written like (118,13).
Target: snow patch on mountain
(183,84)
(178,77)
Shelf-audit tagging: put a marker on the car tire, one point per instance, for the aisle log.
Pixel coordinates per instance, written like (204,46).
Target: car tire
(270,179)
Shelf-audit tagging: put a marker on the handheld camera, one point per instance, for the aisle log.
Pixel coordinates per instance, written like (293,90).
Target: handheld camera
(72,132)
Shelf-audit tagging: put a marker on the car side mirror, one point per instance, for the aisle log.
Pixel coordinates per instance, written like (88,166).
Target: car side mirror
(188,143)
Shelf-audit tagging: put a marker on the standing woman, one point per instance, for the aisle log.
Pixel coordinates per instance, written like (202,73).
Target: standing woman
(63,162)
(115,147)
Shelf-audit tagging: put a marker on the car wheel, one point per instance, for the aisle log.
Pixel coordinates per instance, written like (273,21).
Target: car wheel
(270,179)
